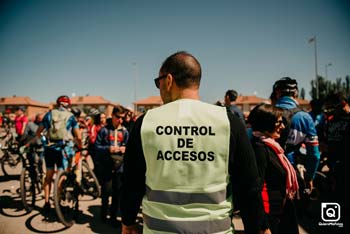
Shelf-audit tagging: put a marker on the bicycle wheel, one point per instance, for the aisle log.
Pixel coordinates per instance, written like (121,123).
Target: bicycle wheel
(11,164)
(40,176)
(89,182)
(65,197)
(27,187)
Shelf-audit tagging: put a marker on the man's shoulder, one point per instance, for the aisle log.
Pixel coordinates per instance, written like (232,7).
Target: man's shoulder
(300,114)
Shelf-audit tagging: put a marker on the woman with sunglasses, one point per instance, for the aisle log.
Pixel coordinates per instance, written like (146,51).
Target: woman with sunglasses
(280,186)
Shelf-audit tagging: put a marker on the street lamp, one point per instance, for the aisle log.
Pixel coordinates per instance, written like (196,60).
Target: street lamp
(326,67)
(313,39)
(135,91)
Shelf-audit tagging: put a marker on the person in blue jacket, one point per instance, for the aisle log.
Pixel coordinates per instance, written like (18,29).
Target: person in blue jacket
(301,129)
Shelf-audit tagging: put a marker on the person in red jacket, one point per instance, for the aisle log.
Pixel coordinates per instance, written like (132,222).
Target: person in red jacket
(21,122)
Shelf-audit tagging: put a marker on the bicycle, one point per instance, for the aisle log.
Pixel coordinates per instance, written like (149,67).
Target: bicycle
(11,162)
(32,177)
(89,181)
(67,189)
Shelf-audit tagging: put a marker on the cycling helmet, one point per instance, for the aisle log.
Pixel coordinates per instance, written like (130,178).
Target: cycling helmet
(286,86)
(76,112)
(63,100)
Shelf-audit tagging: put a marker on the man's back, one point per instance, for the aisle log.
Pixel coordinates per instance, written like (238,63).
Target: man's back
(192,139)
(301,130)
(186,131)
(179,160)
(237,112)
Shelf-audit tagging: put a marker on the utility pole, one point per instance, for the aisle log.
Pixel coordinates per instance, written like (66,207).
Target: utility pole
(135,85)
(313,39)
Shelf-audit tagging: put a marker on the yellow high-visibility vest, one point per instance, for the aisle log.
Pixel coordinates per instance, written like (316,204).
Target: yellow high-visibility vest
(186,149)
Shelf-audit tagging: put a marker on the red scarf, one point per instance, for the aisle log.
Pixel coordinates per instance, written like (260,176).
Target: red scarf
(291,177)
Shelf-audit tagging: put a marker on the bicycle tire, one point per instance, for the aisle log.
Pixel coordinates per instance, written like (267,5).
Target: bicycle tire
(65,197)
(27,188)
(40,176)
(89,182)
(10,168)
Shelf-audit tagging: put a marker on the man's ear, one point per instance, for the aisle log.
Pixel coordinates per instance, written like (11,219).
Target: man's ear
(169,81)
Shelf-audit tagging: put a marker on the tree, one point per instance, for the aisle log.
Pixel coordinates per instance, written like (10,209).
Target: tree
(326,86)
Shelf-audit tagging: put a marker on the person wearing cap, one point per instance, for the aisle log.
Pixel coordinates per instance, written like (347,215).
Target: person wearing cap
(187,160)
(21,122)
(300,130)
(59,149)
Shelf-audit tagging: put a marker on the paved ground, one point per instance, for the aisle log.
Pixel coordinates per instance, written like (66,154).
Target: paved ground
(14,220)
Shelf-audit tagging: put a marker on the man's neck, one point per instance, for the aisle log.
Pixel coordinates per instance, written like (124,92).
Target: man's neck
(187,94)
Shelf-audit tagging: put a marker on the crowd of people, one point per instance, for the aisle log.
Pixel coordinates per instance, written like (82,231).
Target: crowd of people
(63,131)
(191,164)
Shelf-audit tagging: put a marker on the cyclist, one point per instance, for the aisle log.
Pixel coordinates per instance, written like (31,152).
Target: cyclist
(60,123)
(28,141)
(300,128)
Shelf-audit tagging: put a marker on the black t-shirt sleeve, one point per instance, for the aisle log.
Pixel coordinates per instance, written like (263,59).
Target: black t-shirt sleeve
(246,183)
(262,158)
(133,185)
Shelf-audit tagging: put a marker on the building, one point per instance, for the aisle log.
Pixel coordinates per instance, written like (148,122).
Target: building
(85,103)
(145,104)
(32,107)
(245,103)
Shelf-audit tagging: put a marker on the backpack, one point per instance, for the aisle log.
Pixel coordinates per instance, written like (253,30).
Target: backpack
(58,129)
(287,120)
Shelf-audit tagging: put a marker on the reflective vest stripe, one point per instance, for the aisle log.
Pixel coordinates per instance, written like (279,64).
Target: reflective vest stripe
(208,226)
(186,147)
(179,198)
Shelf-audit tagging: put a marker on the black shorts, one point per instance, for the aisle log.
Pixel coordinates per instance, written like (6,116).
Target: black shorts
(54,157)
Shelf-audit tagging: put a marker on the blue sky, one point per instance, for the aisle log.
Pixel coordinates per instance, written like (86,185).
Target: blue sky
(49,48)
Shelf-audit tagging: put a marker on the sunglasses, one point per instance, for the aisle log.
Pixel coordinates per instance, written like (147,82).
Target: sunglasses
(279,122)
(118,116)
(157,80)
